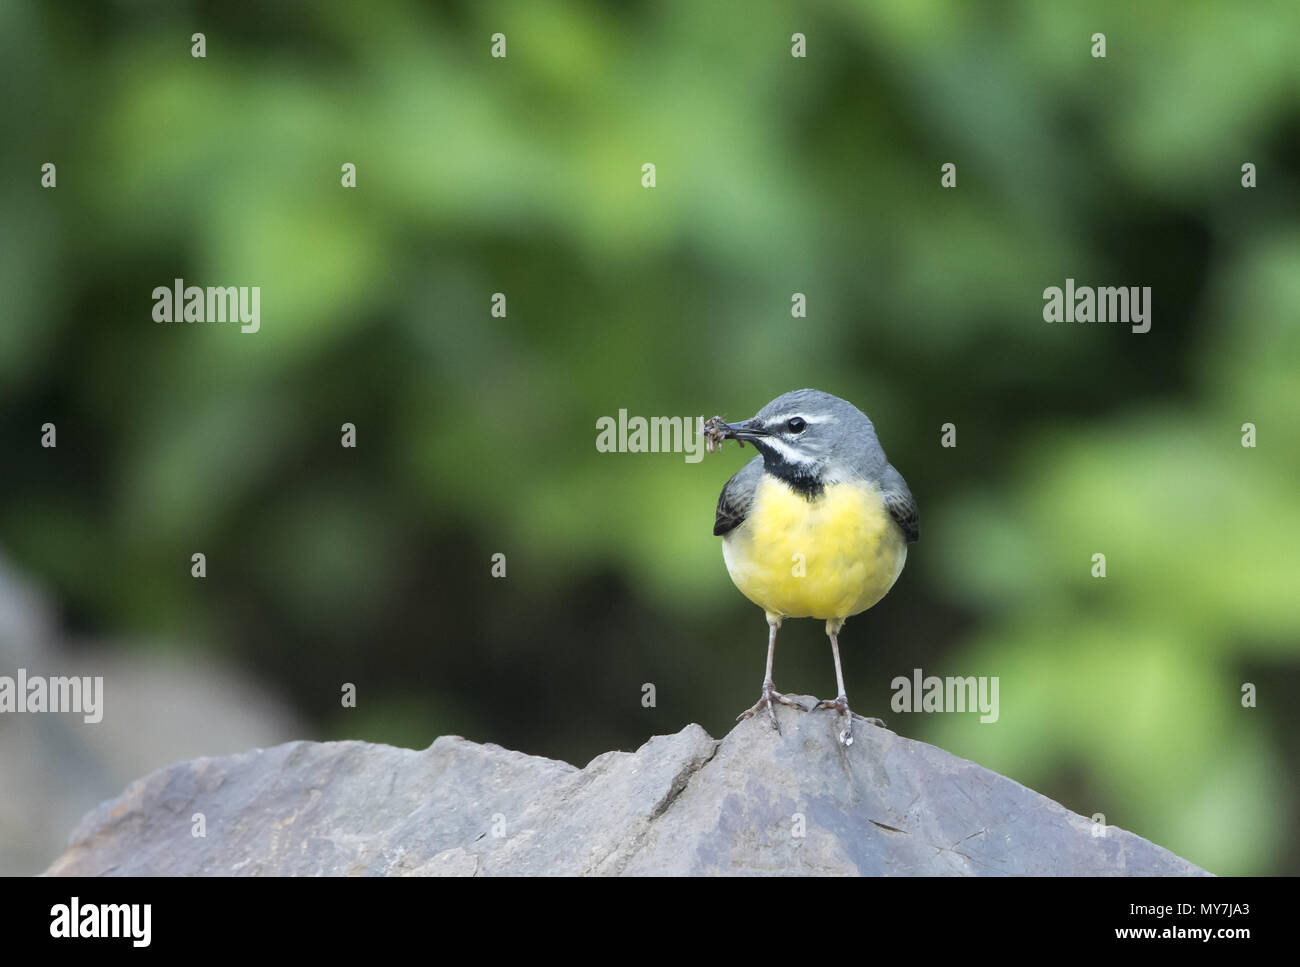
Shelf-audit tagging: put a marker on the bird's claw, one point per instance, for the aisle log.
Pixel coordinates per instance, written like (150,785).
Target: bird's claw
(769,696)
(841,705)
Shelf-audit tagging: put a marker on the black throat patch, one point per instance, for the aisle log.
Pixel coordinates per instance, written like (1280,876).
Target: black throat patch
(803,481)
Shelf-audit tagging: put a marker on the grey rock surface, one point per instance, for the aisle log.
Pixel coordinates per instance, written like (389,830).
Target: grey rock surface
(754,802)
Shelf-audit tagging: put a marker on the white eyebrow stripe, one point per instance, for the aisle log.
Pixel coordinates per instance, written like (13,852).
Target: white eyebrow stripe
(822,418)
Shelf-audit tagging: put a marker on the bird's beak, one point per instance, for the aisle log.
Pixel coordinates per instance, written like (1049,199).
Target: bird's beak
(748,430)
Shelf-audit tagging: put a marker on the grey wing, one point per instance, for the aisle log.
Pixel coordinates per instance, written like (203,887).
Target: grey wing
(737,497)
(900,503)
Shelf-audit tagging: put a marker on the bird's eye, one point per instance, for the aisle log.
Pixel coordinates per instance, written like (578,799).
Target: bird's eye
(796,424)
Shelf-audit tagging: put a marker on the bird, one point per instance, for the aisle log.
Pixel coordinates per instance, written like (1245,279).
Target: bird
(815,526)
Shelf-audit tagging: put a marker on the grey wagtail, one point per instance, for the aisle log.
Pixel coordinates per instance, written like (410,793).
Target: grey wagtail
(816,526)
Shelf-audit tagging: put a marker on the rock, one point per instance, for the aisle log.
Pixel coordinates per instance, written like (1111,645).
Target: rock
(755,802)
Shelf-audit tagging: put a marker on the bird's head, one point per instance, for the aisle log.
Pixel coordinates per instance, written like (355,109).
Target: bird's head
(810,438)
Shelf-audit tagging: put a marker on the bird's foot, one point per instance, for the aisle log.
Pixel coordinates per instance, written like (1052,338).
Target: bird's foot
(841,705)
(769,696)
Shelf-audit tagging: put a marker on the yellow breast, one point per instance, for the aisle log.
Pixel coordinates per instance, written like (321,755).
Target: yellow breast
(830,557)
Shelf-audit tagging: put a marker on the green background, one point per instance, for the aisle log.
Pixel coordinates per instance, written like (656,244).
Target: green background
(476,435)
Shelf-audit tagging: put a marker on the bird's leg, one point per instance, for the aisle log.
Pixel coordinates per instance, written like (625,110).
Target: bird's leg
(841,702)
(770,694)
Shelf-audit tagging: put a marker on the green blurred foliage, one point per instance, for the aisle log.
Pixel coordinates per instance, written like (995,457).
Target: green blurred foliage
(775,175)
